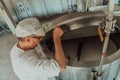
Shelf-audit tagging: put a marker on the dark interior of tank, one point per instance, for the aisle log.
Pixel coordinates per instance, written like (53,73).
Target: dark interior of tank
(82,46)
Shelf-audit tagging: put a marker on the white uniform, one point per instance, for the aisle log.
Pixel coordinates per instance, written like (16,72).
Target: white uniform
(29,65)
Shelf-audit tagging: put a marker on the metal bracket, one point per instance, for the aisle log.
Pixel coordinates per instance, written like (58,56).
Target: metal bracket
(110,26)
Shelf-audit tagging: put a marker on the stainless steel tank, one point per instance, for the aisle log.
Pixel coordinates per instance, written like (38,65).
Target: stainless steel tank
(83,48)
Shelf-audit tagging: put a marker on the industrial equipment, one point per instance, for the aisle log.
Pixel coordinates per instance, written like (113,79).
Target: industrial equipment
(81,20)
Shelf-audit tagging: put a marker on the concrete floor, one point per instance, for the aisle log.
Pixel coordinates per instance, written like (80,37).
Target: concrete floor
(7,40)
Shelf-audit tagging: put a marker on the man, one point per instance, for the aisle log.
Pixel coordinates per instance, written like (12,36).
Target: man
(28,64)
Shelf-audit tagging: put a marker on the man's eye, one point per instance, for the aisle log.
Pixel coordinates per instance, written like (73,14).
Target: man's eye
(37,37)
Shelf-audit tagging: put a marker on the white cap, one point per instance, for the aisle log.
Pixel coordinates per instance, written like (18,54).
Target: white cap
(29,27)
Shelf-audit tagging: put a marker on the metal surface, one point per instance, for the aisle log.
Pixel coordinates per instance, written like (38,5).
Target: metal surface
(87,62)
(27,8)
(77,23)
(104,52)
(7,17)
(109,25)
(84,73)
(91,45)
(39,8)
(90,56)
(81,44)
(91,49)
(21,9)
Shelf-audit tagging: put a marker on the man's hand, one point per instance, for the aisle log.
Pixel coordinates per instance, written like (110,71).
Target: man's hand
(57,32)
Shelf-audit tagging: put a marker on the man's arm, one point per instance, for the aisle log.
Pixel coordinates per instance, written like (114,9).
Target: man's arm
(59,53)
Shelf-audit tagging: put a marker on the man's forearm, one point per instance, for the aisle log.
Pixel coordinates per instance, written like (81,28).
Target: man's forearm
(59,53)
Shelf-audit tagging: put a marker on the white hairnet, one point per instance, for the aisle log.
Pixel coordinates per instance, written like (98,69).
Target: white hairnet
(28,27)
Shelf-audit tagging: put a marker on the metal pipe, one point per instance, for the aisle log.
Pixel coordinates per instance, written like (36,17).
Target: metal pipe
(103,53)
(108,31)
(86,5)
(111,5)
(8,18)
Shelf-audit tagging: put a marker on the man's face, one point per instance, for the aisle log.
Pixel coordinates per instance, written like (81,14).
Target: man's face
(31,42)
